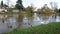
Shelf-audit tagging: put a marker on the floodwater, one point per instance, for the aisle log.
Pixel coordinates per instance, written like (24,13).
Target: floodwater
(23,21)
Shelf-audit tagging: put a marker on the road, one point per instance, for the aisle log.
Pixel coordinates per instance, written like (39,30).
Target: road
(3,27)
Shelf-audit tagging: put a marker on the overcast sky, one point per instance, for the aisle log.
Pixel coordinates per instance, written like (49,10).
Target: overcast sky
(36,3)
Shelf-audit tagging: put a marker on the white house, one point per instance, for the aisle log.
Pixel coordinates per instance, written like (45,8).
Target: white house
(3,9)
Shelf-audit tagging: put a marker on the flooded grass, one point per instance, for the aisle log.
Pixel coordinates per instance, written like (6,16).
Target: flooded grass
(51,28)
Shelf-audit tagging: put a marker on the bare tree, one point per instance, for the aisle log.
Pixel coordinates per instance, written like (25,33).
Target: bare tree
(53,5)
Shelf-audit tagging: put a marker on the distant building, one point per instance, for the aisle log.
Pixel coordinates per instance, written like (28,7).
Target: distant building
(3,8)
(16,10)
(13,10)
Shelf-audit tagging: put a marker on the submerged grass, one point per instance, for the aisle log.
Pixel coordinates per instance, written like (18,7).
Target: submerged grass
(51,28)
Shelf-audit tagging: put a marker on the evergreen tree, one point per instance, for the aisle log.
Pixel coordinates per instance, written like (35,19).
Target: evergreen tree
(1,4)
(19,4)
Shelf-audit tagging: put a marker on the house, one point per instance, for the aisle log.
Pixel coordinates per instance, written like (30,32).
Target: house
(3,8)
(13,10)
(16,10)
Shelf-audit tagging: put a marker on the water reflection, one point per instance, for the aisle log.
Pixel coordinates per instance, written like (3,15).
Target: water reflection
(36,20)
(23,21)
(58,19)
(12,22)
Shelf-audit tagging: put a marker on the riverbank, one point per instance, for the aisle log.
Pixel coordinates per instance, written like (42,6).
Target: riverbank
(51,28)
